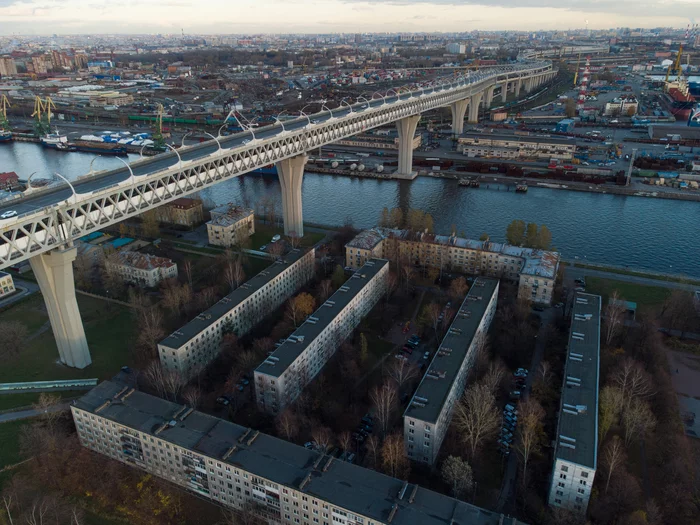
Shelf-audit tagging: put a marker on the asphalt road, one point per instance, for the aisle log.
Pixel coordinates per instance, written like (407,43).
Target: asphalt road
(202,150)
(575,273)
(26,414)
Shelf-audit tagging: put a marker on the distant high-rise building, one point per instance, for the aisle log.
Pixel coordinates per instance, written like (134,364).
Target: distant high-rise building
(39,65)
(456,49)
(7,66)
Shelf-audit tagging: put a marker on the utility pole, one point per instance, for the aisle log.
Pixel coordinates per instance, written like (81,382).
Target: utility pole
(629,169)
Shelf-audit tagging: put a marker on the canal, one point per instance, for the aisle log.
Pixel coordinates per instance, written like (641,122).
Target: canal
(654,234)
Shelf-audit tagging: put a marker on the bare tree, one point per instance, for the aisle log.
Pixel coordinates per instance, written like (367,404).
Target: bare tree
(458,289)
(150,325)
(392,281)
(293,239)
(247,360)
(530,432)
(408,273)
(345,440)
(238,272)
(394,460)
(614,315)
(323,438)
(613,457)
(192,396)
(384,401)
(638,420)
(14,337)
(610,406)
(163,380)
(632,380)
(476,416)
(187,267)
(276,249)
(458,475)
(206,297)
(229,275)
(324,290)
(49,408)
(402,372)
(287,424)
(431,313)
(373,449)
(494,376)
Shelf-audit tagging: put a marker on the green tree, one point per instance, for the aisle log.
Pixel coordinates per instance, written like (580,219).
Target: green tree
(416,220)
(484,237)
(364,348)
(385,218)
(515,232)
(429,223)
(338,277)
(544,238)
(149,226)
(531,235)
(396,218)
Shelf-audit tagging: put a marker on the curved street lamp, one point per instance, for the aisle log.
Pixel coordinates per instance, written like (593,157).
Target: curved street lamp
(278,121)
(133,177)
(182,144)
(176,153)
(217,140)
(323,106)
(29,183)
(348,105)
(363,98)
(382,96)
(75,195)
(301,111)
(91,163)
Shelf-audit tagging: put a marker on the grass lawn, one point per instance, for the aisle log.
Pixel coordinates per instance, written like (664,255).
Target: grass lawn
(9,437)
(108,328)
(264,233)
(10,401)
(647,297)
(637,273)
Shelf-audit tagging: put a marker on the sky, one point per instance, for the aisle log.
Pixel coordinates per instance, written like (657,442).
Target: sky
(334,16)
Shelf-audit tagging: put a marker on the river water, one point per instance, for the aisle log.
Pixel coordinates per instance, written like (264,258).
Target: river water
(655,234)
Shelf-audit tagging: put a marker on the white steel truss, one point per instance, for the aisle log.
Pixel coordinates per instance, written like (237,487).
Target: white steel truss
(47,228)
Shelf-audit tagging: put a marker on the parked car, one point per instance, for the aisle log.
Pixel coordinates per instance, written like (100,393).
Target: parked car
(407,349)
(401,357)
(515,394)
(222,401)
(275,238)
(510,408)
(521,372)
(310,445)
(426,356)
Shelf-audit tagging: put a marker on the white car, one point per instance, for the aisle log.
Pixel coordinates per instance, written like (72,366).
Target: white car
(8,214)
(246,141)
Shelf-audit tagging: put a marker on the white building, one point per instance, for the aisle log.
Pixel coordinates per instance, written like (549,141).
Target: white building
(141,269)
(576,451)
(456,49)
(285,373)
(192,347)
(511,146)
(229,225)
(624,105)
(535,271)
(243,469)
(428,416)
(7,285)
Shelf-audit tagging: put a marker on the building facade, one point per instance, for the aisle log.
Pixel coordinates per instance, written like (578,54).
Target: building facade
(229,225)
(244,470)
(285,373)
(7,285)
(428,416)
(535,271)
(576,450)
(192,347)
(624,105)
(7,67)
(479,145)
(182,212)
(141,269)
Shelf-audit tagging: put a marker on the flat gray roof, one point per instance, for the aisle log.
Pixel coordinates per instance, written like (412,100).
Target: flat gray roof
(577,437)
(210,316)
(442,372)
(356,489)
(292,348)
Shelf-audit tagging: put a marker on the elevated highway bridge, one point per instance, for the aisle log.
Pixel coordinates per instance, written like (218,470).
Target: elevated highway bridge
(47,222)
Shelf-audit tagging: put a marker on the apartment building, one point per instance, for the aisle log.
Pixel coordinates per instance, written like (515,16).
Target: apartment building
(624,105)
(576,451)
(7,66)
(428,416)
(242,469)
(142,269)
(285,373)
(7,285)
(512,146)
(535,271)
(182,212)
(229,224)
(190,348)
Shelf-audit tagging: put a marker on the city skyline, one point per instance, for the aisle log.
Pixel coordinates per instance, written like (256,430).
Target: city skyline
(45,17)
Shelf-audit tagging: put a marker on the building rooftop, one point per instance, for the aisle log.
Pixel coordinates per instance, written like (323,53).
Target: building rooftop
(430,396)
(185,203)
(577,433)
(142,261)
(229,214)
(356,489)
(3,274)
(543,263)
(294,346)
(517,138)
(211,315)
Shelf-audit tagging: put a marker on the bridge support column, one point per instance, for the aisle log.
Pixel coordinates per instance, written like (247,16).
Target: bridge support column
(528,85)
(54,273)
(407,129)
(489,97)
(518,87)
(459,109)
(474,104)
(291,173)
(504,92)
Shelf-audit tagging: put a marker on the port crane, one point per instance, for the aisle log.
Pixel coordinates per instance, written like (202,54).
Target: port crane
(42,112)
(675,67)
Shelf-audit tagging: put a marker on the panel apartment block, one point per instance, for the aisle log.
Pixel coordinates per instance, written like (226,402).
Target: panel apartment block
(428,416)
(237,467)
(189,349)
(576,452)
(285,373)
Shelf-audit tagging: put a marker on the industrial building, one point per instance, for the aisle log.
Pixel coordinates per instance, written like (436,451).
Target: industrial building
(192,347)
(514,146)
(230,224)
(624,105)
(240,468)
(576,450)
(534,270)
(428,416)
(141,269)
(181,212)
(285,373)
